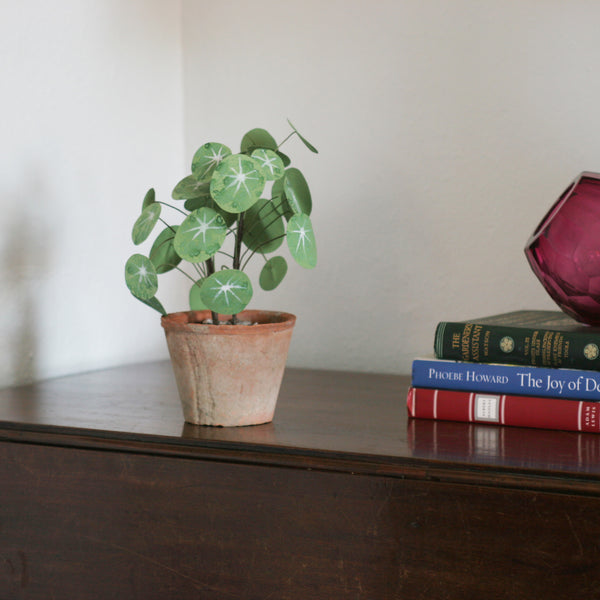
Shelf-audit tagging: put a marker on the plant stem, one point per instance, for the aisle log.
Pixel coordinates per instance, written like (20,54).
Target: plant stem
(258,248)
(237,250)
(168,226)
(199,270)
(238,241)
(210,269)
(183,212)
(257,221)
(286,139)
(182,271)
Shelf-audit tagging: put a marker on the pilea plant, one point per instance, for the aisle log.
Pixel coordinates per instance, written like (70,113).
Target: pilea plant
(225,221)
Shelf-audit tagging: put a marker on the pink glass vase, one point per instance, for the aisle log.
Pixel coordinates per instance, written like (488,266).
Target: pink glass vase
(564,250)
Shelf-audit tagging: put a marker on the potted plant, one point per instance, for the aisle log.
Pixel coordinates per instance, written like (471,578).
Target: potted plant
(228,361)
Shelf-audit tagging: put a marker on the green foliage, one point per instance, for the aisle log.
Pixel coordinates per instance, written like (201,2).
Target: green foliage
(149,198)
(196,302)
(272,273)
(163,255)
(270,162)
(235,207)
(141,277)
(200,235)
(145,223)
(257,138)
(237,183)
(301,241)
(226,292)
(190,188)
(263,227)
(207,159)
(296,192)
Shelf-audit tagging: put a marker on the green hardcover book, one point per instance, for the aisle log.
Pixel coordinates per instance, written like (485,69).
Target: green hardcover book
(540,338)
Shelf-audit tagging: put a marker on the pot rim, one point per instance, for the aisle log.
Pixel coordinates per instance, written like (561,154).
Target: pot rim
(266,321)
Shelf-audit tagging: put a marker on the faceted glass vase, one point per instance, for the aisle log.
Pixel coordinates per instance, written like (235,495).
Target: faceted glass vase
(564,250)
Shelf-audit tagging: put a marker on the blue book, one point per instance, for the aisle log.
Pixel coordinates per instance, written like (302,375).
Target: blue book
(574,384)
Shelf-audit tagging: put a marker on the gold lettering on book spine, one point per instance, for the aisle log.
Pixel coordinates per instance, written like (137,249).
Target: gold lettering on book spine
(547,348)
(455,340)
(552,348)
(464,342)
(486,343)
(475,343)
(557,349)
(535,348)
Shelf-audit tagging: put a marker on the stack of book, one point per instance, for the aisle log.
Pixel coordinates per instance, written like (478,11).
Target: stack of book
(525,368)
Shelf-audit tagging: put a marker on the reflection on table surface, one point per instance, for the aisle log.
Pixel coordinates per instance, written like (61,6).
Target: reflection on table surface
(510,446)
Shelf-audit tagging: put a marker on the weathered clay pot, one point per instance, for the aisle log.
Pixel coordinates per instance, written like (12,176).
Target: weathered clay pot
(228,374)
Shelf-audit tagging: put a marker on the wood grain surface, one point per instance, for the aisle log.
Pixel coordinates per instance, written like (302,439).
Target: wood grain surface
(106,493)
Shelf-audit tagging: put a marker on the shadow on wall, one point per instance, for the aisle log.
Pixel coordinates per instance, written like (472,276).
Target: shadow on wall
(23,261)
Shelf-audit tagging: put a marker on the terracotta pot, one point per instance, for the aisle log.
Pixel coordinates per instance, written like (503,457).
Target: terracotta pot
(228,374)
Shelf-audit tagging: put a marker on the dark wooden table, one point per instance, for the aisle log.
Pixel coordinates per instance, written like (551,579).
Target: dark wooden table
(106,493)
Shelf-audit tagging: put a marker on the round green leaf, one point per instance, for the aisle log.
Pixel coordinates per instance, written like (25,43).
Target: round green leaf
(272,165)
(226,292)
(301,241)
(145,223)
(163,255)
(200,235)
(140,277)
(149,198)
(237,183)
(195,203)
(190,187)
(297,192)
(195,299)
(257,138)
(272,273)
(304,140)
(263,227)
(207,158)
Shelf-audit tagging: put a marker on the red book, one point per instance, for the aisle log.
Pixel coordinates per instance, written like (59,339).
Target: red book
(522,411)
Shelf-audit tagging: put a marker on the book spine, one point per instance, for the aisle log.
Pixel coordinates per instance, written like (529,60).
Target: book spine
(477,342)
(507,379)
(503,409)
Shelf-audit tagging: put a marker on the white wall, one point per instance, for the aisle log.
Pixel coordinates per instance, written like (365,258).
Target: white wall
(445,130)
(91,109)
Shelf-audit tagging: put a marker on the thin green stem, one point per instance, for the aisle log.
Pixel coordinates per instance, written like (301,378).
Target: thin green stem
(238,241)
(199,270)
(265,229)
(184,272)
(257,250)
(257,221)
(237,250)
(210,269)
(183,212)
(167,225)
(286,139)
